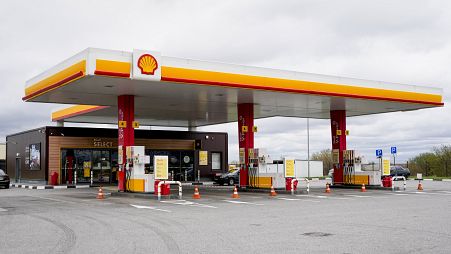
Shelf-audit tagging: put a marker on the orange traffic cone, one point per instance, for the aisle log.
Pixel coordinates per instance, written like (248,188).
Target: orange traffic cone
(363,189)
(327,188)
(100,194)
(235,193)
(196,194)
(273,192)
(420,187)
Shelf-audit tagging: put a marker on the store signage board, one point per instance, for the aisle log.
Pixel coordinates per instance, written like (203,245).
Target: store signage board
(160,163)
(203,158)
(98,142)
(146,65)
(385,166)
(289,167)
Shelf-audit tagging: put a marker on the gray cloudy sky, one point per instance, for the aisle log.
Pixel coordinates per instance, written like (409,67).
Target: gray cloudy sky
(398,41)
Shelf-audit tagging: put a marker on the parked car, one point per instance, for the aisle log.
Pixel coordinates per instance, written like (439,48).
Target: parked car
(4,179)
(399,171)
(230,178)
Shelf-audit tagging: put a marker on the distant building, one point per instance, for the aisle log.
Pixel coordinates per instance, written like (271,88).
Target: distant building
(3,156)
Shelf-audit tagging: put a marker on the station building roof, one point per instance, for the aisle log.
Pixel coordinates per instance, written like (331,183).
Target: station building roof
(171,91)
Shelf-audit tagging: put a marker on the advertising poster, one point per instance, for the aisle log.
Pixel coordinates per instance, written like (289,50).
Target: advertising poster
(161,167)
(35,157)
(203,158)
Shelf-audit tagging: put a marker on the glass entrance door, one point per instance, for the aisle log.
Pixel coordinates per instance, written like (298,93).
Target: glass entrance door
(101,166)
(180,164)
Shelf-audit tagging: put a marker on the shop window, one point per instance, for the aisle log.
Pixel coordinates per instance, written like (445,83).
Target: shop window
(216,161)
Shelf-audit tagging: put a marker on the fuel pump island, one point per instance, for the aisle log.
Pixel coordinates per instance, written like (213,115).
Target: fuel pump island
(144,87)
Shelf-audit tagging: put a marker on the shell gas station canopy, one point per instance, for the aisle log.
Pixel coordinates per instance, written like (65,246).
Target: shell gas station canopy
(171,91)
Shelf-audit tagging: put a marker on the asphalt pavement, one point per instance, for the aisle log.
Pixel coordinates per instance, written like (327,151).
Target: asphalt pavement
(344,221)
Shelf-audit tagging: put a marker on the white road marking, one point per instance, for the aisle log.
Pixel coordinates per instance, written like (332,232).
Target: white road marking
(400,194)
(150,208)
(187,203)
(241,202)
(323,197)
(297,199)
(358,196)
(3,210)
(449,192)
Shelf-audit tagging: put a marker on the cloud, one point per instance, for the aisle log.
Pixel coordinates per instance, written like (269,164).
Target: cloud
(397,41)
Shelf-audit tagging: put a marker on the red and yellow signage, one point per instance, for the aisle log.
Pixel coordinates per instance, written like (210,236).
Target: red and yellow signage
(147,64)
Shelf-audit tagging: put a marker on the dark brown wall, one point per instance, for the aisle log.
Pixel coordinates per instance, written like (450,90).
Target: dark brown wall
(216,142)
(16,144)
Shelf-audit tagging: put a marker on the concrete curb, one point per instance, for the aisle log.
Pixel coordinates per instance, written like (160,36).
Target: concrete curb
(47,187)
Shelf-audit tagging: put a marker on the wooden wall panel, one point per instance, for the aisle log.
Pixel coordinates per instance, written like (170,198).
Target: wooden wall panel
(56,143)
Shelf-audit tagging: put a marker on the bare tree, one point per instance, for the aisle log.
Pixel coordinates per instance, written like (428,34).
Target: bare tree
(326,157)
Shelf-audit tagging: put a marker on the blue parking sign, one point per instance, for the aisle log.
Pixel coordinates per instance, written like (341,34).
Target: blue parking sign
(379,153)
(393,150)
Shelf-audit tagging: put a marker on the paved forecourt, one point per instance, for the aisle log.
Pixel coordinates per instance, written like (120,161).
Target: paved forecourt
(375,221)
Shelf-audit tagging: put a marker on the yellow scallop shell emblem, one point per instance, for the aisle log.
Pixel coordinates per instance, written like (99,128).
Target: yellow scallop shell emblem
(147,64)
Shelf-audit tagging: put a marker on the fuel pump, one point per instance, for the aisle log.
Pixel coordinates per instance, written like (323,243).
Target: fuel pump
(135,177)
(253,171)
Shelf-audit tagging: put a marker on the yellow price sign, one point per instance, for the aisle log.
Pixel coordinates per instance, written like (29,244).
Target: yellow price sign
(161,167)
(289,167)
(386,167)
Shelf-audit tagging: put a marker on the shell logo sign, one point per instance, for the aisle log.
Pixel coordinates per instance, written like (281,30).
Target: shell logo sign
(146,65)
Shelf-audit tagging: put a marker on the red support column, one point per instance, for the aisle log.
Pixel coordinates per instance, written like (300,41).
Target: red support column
(338,124)
(126,132)
(245,137)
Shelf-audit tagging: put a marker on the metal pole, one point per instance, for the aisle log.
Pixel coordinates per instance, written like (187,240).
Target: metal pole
(75,177)
(172,175)
(180,190)
(92,178)
(308,147)
(198,175)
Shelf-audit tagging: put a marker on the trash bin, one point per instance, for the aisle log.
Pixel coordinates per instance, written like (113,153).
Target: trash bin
(54,178)
(387,182)
(288,184)
(165,188)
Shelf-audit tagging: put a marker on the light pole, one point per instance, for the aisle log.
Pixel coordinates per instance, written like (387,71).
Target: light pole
(308,147)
